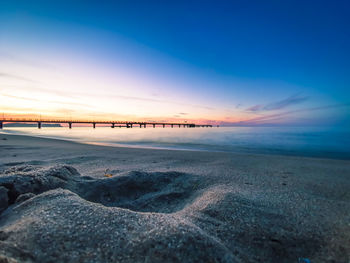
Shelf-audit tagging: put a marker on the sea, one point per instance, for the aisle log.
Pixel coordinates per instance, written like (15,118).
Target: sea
(296,141)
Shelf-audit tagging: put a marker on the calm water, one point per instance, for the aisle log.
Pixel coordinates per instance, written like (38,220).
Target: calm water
(318,142)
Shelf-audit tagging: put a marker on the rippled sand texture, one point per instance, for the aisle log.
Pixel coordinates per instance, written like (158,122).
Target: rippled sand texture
(168,206)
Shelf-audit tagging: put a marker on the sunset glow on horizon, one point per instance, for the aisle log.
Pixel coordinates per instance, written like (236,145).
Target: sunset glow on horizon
(159,62)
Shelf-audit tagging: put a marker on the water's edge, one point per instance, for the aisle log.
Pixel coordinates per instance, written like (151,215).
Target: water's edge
(262,140)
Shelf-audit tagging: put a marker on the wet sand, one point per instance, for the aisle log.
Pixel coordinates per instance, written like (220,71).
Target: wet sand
(62,201)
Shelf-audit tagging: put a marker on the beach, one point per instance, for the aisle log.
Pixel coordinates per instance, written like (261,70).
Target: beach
(63,201)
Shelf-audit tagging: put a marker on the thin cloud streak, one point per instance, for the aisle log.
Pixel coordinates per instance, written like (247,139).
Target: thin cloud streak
(271,117)
(49,101)
(278,105)
(158,101)
(292,100)
(17,77)
(110,96)
(24,61)
(254,108)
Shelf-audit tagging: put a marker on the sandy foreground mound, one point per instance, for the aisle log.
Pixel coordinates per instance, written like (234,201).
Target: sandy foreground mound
(57,215)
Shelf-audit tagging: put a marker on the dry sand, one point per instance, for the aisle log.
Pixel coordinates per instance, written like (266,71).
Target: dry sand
(56,205)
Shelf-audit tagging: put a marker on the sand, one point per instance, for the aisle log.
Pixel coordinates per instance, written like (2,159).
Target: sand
(57,205)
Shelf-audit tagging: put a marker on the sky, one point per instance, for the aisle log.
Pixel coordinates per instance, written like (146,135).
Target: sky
(240,63)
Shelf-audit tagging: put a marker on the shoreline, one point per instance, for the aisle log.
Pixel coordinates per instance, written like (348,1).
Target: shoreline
(249,151)
(69,201)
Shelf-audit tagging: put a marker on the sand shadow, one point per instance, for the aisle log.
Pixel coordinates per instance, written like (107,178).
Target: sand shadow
(161,192)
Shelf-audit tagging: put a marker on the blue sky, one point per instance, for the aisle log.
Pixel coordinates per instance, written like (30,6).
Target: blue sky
(233,62)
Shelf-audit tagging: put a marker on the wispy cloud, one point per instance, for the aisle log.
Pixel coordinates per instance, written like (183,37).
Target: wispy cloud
(255,108)
(278,116)
(49,101)
(156,101)
(292,100)
(80,95)
(17,77)
(25,61)
(34,88)
(180,114)
(278,105)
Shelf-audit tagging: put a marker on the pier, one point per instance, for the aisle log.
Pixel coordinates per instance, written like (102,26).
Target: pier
(113,124)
